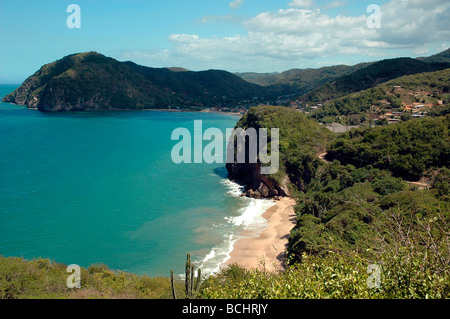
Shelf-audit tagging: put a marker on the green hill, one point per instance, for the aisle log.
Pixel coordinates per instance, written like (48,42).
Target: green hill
(369,77)
(355,211)
(328,83)
(91,81)
(301,138)
(430,89)
(299,81)
(442,57)
(407,149)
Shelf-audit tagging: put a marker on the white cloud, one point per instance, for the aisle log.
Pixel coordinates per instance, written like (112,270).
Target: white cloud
(220,19)
(415,23)
(443,47)
(236,4)
(335,4)
(300,3)
(421,51)
(299,37)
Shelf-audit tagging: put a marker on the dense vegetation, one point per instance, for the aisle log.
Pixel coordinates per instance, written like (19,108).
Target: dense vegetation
(42,279)
(361,210)
(334,276)
(430,88)
(351,216)
(299,81)
(90,80)
(369,77)
(301,138)
(407,149)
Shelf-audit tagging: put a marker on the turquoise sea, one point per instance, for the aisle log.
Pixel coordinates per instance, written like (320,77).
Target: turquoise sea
(100,187)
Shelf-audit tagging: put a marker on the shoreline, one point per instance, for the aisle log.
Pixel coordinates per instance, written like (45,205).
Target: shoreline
(270,246)
(234,114)
(189,111)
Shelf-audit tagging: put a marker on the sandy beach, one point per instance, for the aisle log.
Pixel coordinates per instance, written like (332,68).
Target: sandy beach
(272,242)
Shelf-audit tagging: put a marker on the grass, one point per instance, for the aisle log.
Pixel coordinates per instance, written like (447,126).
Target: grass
(45,279)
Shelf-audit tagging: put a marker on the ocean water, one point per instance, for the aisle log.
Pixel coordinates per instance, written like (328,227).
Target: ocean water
(101,187)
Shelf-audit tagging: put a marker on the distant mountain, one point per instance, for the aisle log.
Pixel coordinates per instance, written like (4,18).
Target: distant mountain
(91,81)
(442,57)
(299,81)
(328,83)
(263,79)
(428,89)
(299,75)
(369,77)
(177,69)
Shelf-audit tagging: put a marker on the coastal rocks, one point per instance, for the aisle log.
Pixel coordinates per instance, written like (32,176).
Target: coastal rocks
(24,96)
(253,194)
(257,185)
(263,190)
(249,174)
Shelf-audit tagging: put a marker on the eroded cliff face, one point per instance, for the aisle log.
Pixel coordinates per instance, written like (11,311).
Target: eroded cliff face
(55,100)
(27,94)
(248,173)
(296,141)
(257,185)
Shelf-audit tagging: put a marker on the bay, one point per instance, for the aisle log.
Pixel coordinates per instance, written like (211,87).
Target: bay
(100,187)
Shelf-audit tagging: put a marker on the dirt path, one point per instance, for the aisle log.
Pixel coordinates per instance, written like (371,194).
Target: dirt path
(322,157)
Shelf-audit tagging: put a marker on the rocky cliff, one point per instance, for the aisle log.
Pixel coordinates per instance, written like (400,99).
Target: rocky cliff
(258,185)
(300,139)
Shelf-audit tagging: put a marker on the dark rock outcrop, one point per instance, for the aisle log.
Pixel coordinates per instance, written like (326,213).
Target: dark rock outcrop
(255,184)
(299,140)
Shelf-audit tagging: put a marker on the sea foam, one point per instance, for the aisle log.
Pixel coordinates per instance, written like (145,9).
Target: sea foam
(249,219)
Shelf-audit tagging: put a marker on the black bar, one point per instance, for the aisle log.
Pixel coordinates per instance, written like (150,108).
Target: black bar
(243,309)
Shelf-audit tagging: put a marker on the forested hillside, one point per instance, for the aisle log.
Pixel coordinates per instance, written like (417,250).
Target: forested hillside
(299,81)
(406,149)
(369,77)
(429,91)
(92,81)
(356,211)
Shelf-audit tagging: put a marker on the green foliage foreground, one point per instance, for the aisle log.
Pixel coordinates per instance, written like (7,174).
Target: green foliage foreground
(44,279)
(336,276)
(410,252)
(404,274)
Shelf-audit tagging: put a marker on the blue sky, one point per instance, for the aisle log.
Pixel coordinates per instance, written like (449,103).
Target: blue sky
(234,35)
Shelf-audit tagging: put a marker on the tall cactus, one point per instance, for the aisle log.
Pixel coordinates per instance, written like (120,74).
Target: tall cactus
(191,289)
(173,286)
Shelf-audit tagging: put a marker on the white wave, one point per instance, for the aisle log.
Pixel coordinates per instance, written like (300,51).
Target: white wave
(209,256)
(211,264)
(233,189)
(250,218)
(252,215)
